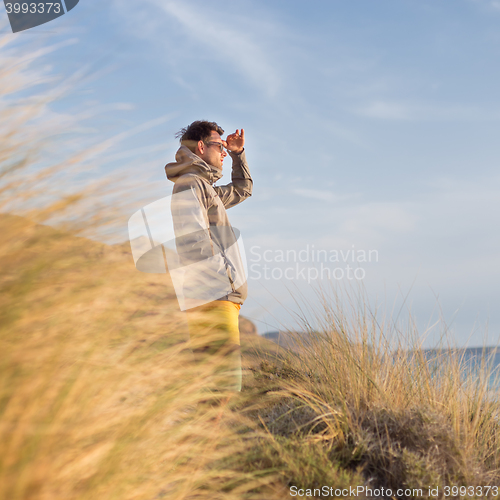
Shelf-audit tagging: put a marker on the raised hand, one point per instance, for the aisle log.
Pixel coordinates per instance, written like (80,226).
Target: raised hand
(235,142)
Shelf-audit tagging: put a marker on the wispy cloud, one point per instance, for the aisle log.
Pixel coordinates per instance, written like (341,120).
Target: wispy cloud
(492,4)
(208,32)
(408,111)
(319,194)
(385,110)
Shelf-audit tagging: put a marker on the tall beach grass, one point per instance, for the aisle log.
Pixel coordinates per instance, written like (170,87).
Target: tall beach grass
(365,399)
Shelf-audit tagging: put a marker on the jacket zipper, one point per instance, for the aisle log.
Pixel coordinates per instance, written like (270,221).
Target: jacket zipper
(226,264)
(228,272)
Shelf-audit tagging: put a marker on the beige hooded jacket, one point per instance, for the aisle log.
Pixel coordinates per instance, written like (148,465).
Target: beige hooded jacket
(205,240)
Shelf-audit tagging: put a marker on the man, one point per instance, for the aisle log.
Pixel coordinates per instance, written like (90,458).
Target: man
(214,281)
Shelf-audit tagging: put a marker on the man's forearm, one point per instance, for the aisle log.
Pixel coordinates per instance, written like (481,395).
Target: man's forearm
(240,175)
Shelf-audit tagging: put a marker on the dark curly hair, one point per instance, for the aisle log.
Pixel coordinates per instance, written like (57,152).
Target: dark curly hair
(200,130)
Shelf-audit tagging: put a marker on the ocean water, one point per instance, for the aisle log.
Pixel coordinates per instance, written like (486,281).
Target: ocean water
(473,360)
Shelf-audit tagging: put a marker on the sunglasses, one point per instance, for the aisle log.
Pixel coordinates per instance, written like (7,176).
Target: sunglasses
(221,146)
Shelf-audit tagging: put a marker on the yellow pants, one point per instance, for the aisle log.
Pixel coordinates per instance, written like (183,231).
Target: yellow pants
(214,331)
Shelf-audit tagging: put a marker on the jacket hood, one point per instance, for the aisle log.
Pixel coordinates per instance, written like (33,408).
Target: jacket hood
(186,162)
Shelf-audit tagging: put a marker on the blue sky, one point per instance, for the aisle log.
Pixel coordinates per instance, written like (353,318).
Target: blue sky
(373,124)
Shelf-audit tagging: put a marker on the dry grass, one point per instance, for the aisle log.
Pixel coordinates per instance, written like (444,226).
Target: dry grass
(398,417)
(98,395)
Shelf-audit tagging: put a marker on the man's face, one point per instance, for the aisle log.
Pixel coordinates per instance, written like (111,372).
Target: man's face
(211,152)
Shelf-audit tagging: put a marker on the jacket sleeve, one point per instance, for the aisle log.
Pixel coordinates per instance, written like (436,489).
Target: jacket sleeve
(241,186)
